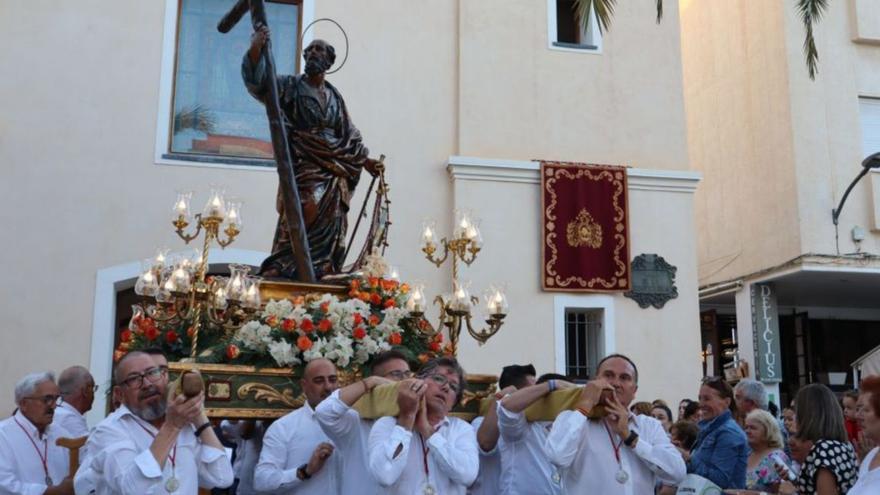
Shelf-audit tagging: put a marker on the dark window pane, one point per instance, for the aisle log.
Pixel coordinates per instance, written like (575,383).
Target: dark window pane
(212,112)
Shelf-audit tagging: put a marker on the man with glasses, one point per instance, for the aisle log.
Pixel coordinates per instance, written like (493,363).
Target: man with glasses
(155,442)
(30,462)
(424,450)
(297,457)
(78,390)
(348,431)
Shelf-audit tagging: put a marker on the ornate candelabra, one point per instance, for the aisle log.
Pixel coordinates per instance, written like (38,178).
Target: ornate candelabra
(456,308)
(180,291)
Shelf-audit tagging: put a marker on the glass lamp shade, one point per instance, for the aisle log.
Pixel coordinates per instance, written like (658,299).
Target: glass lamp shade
(182,206)
(461,299)
(147,283)
(415,303)
(252,293)
(429,234)
(218,291)
(233,213)
(496,302)
(237,285)
(216,205)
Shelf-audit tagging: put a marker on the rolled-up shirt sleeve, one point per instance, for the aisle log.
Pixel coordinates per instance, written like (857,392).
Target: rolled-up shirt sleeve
(386,438)
(338,421)
(512,426)
(457,455)
(659,454)
(565,437)
(215,468)
(270,474)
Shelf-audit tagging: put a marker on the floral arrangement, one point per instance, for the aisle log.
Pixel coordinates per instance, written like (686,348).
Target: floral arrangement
(289,333)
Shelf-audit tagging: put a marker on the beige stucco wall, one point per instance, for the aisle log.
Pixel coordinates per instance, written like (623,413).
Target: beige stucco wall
(425,80)
(777,149)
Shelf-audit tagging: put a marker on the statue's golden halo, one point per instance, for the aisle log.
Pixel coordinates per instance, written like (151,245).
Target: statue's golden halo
(344,35)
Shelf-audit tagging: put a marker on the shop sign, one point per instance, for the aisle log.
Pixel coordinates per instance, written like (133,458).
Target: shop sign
(765,328)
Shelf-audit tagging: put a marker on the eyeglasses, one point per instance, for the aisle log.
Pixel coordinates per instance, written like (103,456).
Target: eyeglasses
(47,399)
(399,375)
(152,375)
(442,380)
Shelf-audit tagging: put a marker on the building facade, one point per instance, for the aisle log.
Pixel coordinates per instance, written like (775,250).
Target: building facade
(112,107)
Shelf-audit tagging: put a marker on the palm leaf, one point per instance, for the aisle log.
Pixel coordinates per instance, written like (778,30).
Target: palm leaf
(604,9)
(810,12)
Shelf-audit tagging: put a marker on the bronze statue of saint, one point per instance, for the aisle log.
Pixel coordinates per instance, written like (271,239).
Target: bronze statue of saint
(328,156)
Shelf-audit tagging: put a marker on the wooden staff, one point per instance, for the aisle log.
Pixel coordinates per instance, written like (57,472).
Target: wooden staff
(72,444)
(290,200)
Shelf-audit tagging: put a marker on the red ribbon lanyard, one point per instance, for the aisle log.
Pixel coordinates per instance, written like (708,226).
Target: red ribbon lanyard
(171,455)
(44,458)
(425,450)
(611,439)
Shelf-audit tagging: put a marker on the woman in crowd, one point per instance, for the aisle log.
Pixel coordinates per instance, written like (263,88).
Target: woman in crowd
(829,467)
(765,440)
(788,420)
(693,413)
(681,406)
(662,414)
(722,450)
(641,408)
(869,417)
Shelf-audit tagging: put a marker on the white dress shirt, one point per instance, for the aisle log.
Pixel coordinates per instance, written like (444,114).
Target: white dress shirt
(585,456)
(121,461)
(22,449)
(488,479)
(351,435)
(287,445)
(526,468)
(869,479)
(247,453)
(449,456)
(67,417)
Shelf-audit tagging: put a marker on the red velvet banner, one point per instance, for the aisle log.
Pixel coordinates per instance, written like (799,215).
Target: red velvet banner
(585,228)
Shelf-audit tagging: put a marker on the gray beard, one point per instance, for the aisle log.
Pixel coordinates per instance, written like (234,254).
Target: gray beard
(316,66)
(150,412)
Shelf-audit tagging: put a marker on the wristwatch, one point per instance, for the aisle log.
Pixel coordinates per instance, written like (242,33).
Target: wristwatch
(631,439)
(301,472)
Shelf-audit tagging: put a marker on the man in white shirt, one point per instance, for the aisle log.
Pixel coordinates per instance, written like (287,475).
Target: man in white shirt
(155,442)
(513,377)
(248,438)
(526,469)
(621,453)
(78,391)
(30,462)
(297,457)
(349,433)
(424,450)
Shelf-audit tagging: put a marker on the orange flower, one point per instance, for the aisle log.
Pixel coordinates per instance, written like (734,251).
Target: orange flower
(388,285)
(395,338)
(364,296)
(325,325)
(288,325)
(272,321)
(404,288)
(373,320)
(375,299)
(306,325)
(423,358)
(357,318)
(389,303)
(373,282)
(232,351)
(171,336)
(125,336)
(359,333)
(304,343)
(355,284)
(190,331)
(325,306)
(125,346)
(438,337)
(117,355)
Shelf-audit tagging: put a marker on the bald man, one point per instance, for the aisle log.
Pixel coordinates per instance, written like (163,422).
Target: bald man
(297,456)
(78,391)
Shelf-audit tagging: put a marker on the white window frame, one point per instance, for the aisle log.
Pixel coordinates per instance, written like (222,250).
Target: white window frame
(595,39)
(591,302)
(166,90)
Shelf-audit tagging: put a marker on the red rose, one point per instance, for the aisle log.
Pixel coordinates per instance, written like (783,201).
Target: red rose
(364,296)
(438,337)
(374,320)
(373,281)
(325,325)
(375,299)
(125,336)
(232,351)
(288,325)
(395,338)
(389,303)
(357,318)
(325,306)
(151,333)
(307,325)
(272,321)
(304,343)
(359,333)
(435,346)
(171,336)
(355,284)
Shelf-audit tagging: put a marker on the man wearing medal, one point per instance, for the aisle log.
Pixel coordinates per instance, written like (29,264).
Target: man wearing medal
(30,462)
(619,453)
(154,443)
(423,450)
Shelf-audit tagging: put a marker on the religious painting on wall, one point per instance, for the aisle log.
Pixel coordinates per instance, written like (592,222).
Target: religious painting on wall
(585,241)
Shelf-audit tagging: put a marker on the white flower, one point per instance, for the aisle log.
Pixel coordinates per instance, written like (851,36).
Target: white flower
(253,335)
(316,351)
(282,353)
(280,309)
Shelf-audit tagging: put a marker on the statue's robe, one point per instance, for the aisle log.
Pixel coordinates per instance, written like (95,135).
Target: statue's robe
(328,156)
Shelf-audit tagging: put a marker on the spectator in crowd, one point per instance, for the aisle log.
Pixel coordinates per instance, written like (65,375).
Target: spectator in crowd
(830,464)
(751,395)
(869,417)
(721,451)
(681,407)
(765,440)
(693,412)
(641,408)
(78,393)
(247,436)
(684,434)
(788,420)
(849,402)
(662,414)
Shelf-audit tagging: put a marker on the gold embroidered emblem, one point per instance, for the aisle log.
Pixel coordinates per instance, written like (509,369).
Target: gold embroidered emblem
(584,231)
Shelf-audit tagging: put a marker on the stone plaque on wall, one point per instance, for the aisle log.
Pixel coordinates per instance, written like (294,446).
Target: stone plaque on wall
(653,281)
